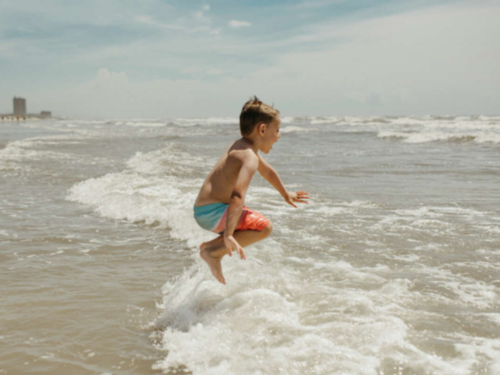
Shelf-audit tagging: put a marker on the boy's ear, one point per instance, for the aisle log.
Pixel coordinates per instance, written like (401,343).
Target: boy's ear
(262,128)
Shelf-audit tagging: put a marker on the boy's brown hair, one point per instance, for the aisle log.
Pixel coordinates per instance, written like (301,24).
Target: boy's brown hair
(255,112)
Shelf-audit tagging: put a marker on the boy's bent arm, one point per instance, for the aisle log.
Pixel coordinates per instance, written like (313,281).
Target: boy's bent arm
(270,174)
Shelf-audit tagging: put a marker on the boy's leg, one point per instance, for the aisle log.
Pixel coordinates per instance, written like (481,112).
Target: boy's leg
(245,238)
(213,253)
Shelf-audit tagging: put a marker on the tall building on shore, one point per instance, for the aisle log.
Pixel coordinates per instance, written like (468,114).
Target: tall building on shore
(19,106)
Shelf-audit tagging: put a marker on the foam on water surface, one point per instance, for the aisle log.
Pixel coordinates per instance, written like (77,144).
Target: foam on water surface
(363,280)
(313,316)
(295,129)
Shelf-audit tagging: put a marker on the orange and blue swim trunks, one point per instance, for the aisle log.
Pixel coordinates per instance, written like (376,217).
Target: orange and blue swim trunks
(213,217)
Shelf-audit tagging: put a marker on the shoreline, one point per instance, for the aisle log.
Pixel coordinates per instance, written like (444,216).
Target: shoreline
(12,118)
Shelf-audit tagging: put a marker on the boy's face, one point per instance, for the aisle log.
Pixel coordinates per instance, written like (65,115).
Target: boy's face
(271,135)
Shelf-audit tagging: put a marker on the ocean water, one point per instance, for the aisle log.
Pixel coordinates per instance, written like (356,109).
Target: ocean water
(393,267)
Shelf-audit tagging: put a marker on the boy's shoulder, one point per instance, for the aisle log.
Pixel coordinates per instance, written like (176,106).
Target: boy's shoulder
(241,153)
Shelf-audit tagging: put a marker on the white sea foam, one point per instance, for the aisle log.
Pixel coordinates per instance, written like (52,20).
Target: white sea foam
(146,124)
(206,121)
(325,120)
(261,316)
(431,220)
(295,129)
(251,314)
(152,190)
(341,208)
(405,258)
(297,305)
(205,322)
(480,129)
(327,211)
(463,290)
(487,138)
(361,204)
(135,197)
(419,212)
(15,153)
(413,137)
(171,160)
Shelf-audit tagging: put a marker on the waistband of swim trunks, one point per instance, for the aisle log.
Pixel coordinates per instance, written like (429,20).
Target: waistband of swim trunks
(200,210)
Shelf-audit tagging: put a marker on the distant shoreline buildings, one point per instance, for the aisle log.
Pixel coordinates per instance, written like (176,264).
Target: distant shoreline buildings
(19,106)
(20,112)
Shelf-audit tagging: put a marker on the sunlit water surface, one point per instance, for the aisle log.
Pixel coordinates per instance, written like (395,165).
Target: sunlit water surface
(393,267)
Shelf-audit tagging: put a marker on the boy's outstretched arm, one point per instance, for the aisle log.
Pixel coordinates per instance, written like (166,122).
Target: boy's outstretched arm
(248,166)
(270,174)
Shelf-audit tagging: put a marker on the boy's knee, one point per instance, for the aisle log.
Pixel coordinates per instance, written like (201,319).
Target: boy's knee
(268,229)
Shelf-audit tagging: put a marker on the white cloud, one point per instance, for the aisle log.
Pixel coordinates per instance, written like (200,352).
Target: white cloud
(106,81)
(148,20)
(199,22)
(437,60)
(214,72)
(201,14)
(144,19)
(441,60)
(237,24)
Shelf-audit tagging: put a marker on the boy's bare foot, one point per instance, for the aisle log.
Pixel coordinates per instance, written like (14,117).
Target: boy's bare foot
(213,263)
(211,243)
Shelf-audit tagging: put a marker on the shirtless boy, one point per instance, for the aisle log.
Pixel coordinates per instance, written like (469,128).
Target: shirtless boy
(219,206)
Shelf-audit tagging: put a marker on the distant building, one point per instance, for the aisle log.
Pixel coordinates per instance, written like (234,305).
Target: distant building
(19,106)
(21,113)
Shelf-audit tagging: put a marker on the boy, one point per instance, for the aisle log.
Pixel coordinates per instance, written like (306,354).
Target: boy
(219,206)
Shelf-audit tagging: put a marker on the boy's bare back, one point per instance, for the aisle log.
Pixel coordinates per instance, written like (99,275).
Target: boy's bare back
(220,182)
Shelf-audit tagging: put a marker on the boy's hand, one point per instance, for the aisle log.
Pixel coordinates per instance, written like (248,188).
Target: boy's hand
(233,245)
(298,196)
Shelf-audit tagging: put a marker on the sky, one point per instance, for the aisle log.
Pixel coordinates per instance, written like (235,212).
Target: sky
(174,58)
